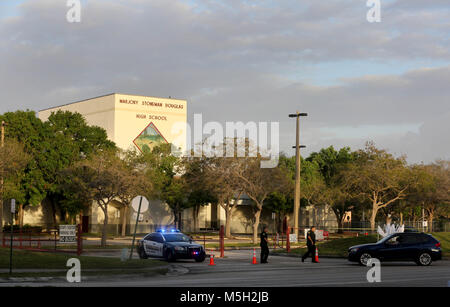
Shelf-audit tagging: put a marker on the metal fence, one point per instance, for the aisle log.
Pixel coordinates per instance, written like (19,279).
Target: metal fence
(436,226)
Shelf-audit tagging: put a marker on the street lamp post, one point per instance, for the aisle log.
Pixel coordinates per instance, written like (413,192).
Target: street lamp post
(2,144)
(297,171)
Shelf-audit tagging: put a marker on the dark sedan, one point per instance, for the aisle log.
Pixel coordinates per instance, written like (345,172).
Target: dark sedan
(171,245)
(418,247)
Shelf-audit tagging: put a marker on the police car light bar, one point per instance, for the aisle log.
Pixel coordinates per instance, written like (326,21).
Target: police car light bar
(166,230)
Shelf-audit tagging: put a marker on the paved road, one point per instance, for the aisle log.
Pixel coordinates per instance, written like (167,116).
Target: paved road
(236,270)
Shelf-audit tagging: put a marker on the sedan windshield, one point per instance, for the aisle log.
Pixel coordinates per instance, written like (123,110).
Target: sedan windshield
(176,237)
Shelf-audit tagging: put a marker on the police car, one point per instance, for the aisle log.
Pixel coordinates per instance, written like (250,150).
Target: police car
(170,244)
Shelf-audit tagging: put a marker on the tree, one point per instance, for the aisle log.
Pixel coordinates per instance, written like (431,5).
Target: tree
(199,192)
(376,176)
(215,173)
(198,197)
(431,188)
(101,179)
(330,161)
(53,145)
(222,183)
(312,183)
(13,160)
(282,201)
(257,183)
(329,188)
(135,183)
(69,139)
(25,128)
(165,171)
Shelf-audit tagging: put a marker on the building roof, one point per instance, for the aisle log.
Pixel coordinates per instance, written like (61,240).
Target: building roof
(68,104)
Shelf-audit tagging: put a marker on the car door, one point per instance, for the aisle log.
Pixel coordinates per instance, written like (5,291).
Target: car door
(148,245)
(159,245)
(410,246)
(391,249)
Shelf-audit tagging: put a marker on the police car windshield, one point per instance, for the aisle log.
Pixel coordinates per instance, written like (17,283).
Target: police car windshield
(176,237)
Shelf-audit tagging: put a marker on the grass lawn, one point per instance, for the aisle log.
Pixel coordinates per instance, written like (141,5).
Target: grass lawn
(444,238)
(87,247)
(23,259)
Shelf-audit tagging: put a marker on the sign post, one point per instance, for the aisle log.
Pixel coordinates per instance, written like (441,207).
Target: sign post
(288,237)
(222,242)
(135,228)
(13,210)
(143,204)
(79,241)
(273,221)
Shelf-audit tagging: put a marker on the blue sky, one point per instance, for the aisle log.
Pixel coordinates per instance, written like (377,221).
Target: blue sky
(9,7)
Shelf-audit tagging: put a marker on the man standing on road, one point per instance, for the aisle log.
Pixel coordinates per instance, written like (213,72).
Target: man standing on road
(311,243)
(264,245)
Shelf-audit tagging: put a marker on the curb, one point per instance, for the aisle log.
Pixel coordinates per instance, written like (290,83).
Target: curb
(30,279)
(171,271)
(216,249)
(299,256)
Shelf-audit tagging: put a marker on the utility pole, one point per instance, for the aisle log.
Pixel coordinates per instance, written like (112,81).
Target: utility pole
(2,144)
(297,171)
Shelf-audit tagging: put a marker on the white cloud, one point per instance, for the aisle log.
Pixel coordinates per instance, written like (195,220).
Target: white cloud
(233,60)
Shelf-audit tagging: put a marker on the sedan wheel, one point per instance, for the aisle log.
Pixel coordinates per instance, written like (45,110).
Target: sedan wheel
(364,258)
(424,259)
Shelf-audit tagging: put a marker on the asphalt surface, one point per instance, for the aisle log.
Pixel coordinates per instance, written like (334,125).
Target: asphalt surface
(236,270)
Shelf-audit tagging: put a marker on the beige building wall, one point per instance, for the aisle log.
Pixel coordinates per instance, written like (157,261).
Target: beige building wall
(134,113)
(125,117)
(97,112)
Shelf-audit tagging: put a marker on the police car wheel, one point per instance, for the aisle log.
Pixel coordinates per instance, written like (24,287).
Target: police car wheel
(169,256)
(142,254)
(200,259)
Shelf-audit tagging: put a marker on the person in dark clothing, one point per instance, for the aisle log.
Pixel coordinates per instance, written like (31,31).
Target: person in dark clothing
(311,244)
(264,245)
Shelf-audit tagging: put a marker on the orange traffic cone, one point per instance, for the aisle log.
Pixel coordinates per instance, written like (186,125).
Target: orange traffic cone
(211,260)
(254,257)
(317,255)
